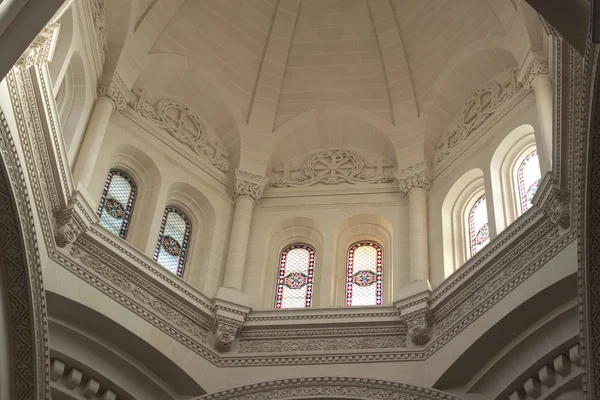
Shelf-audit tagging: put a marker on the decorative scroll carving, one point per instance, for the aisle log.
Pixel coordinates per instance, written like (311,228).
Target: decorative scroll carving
(332,167)
(184,125)
(413,177)
(484,103)
(321,343)
(40,50)
(330,387)
(115,89)
(249,185)
(99,15)
(226,330)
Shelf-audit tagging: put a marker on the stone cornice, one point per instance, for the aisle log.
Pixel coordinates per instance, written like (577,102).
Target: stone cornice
(414,177)
(249,185)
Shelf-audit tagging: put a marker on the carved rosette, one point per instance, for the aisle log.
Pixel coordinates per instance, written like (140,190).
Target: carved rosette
(115,89)
(533,68)
(419,325)
(248,185)
(414,177)
(226,330)
(40,50)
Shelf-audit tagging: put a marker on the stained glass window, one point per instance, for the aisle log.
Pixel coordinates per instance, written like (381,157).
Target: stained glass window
(479,230)
(116,203)
(173,241)
(364,275)
(528,177)
(295,279)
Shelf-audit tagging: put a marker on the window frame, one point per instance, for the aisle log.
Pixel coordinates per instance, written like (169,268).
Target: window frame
(378,272)
(185,242)
(519,162)
(469,211)
(281,274)
(130,203)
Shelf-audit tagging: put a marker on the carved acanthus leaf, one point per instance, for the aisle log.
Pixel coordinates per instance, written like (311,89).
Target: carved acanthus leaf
(115,89)
(484,103)
(332,167)
(321,343)
(249,185)
(185,125)
(414,177)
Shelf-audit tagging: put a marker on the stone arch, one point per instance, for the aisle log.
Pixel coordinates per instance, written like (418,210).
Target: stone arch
(24,367)
(329,387)
(369,227)
(148,179)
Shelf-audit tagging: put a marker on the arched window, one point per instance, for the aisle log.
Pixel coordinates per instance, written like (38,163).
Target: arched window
(479,231)
(364,275)
(528,179)
(295,279)
(173,241)
(117,202)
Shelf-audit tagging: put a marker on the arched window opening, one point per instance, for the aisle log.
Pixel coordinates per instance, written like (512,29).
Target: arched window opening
(364,277)
(528,179)
(295,279)
(173,241)
(479,231)
(116,204)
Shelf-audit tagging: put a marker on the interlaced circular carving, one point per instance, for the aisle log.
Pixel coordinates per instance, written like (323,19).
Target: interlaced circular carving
(331,166)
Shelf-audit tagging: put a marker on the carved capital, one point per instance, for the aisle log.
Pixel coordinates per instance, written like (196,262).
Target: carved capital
(226,329)
(248,185)
(71,222)
(40,51)
(532,68)
(115,89)
(419,326)
(413,177)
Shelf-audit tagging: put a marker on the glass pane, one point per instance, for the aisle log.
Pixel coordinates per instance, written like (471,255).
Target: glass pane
(116,203)
(479,233)
(528,176)
(173,241)
(295,280)
(364,276)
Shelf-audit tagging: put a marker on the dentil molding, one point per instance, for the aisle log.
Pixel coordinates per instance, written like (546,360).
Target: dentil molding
(249,185)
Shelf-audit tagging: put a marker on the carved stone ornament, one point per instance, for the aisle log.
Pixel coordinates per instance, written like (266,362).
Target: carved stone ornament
(419,325)
(329,387)
(332,167)
(226,330)
(557,206)
(532,69)
(185,125)
(99,15)
(413,177)
(73,221)
(249,185)
(484,103)
(40,51)
(115,89)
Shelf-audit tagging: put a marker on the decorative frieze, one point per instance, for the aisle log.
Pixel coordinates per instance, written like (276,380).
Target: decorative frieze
(483,104)
(249,185)
(332,167)
(413,177)
(99,16)
(185,125)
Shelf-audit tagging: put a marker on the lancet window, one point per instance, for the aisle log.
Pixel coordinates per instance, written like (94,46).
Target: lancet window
(173,241)
(364,276)
(479,231)
(116,203)
(295,278)
(528,179)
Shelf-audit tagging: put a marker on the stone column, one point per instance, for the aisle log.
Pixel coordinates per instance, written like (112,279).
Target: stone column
(535,76)
(414,181)
(248,189)
(112,95)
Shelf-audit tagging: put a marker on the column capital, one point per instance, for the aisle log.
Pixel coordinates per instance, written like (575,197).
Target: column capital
(533,67)
(114,89)
(414,177)
(250,185)
(42,48)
